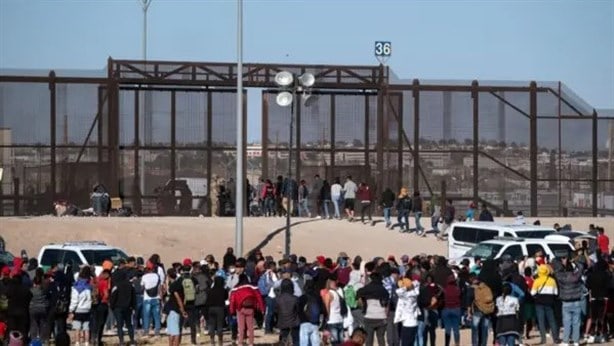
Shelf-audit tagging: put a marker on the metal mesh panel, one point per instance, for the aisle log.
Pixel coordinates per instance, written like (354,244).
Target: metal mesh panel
(576,148)
(76,109)
(157,170)
(605,136)
(223,164)
(25,111)
(224,122)
(445,119)
(156,119)
(350,121)
(315,123)
(605,197)
(191,123)
(127,99)
(32,166)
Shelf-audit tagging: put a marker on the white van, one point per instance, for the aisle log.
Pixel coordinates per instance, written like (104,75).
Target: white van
(463,236)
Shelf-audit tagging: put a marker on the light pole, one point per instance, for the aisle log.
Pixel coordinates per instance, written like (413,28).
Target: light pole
(240,190)
(289,86)
(143,107)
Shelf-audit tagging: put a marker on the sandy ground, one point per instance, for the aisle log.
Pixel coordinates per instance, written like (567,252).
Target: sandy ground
(175,238)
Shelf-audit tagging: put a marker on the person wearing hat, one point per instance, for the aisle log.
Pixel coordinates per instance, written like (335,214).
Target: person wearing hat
(180,305)
(151,283)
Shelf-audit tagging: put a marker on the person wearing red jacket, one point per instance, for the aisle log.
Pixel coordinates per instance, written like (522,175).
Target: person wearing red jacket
(365,197)
(245,299)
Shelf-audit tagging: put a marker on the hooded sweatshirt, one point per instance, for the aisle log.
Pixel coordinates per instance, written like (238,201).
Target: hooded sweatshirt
(81,297)
(388,198)
(544,288)
(452,294)
(287,306)
(570,282)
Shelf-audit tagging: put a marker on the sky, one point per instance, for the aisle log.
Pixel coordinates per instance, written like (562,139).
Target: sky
(568,41)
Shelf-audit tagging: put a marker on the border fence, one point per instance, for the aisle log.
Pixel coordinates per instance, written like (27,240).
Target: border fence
(145,126)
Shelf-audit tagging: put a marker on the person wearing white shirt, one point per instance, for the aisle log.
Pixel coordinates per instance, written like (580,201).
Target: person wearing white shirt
(151,283)
(335,195)
(349,188)
(407,310)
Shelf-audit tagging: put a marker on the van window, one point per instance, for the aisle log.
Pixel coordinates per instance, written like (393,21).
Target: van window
(51,256)
(534,248)
(72,257)
(558,249)
(508,234)
(486,234)
(533,234)
(465,234)
(515,251)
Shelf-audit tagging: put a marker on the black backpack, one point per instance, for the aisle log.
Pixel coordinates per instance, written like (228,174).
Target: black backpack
(202,289)
(342,304)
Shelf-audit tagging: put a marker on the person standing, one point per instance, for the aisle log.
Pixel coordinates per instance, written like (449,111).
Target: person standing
(569,278)
(39,306)
(386,203)
(123,304)
(103,283)
(216,306)
(80,307)
(470,214)
(303,200)
(451,313)
(407,310)
(310,307)
(325,198)
(176,306)
(268,198)
(449,214)
(507,317)
(314,194)
(485,215)
(279,197)
(286,306)
(403,208)
(603,241)
(416,205)
(152,284)
(349,190)
(332,304)
(364,197)
(335,195)
(244,301)
(374,298)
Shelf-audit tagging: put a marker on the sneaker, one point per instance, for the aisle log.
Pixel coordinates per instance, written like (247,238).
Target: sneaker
(563,344)
(318,217)
(590,339)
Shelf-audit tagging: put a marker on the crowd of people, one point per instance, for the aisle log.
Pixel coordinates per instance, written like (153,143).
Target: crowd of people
(341,301)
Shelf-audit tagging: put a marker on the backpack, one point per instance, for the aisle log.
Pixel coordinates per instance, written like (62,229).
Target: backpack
(202,289)
(264,284)
(342,304)
(249,302)
(484,300)
(63,302)
(153,292)
(350,296)
(189,290)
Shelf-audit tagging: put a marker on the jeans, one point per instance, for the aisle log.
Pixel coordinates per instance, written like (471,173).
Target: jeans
(325,204)
(303,208)
(408,336)
(451,323)
(403,219)
(193,321)
(387,216)
(138,313)
(507,340)
(337,204)
(431,320)
(420,334)
(270,311)
(309,335)
(39,326)
(571,321)
(417,217)
(151,307)
(543,313)
(215,320)
(269,206)
(392,331)
(373,328)
(124,315)
(336,333)
(292,333)
(480,325)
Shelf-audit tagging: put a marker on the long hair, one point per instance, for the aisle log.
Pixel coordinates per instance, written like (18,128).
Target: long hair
(403,192)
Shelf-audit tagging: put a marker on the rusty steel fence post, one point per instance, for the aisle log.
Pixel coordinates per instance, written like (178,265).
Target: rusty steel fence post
(476,138)
(52,123)
(533,146)
(595,172)
(416,153)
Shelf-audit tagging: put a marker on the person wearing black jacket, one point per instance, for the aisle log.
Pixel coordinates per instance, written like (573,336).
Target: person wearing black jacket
(19,297)
(387,202)
(215,307)
(310,308)
(229,259)
(123,302)
(485,215)
(39,307)
(404,207)
(326,199)
(374,298)
(59,300)
(416,206)
(286,306)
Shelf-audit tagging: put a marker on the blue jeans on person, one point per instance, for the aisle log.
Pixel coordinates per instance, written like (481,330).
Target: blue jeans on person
(507,340)
(303,208)
(269,206)
(309,334)
(325,204)
(430,328)
(336,333)
(138,312)
(543,313)
(403,219)
(571,321)
(124,315)
(451,323)
(387,212)
(417,216)
(268,316)
(337,205)
(420,334)
(480,325)
(151,307)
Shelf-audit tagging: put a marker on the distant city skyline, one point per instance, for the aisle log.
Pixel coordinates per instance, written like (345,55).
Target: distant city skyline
(497,40)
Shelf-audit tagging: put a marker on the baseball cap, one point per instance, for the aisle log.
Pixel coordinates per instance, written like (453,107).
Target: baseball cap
(321,259)
(6,271)
(187,262)
(342,254)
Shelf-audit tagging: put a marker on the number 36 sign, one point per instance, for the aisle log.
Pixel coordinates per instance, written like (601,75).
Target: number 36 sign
(383,48)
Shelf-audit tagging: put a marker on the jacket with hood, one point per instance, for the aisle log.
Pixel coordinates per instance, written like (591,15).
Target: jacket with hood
(569,281)
(81,297)
(123,295)
(388,198)
(287,306)
(407,311)
(452,294)
(19,297)
(217,294)
(545,289)
(240,294)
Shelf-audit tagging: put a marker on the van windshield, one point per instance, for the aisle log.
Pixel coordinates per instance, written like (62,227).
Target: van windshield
(534,234)
(96,257)
(484,250)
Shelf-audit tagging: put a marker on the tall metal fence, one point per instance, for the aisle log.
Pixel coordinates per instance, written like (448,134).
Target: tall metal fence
(534,147)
